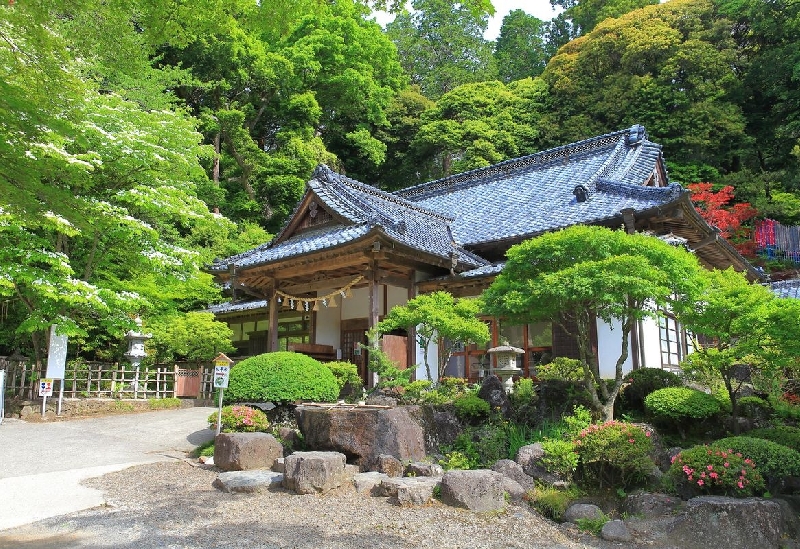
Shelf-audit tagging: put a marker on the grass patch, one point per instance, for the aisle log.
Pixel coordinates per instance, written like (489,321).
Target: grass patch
(206,449)
(163,403)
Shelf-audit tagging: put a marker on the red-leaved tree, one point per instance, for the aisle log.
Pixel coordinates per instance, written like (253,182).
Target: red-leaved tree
(715,208)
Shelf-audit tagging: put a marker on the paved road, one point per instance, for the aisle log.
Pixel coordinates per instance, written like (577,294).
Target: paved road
(42,464)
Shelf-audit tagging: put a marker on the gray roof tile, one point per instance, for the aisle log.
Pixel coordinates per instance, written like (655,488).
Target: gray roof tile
(786,288)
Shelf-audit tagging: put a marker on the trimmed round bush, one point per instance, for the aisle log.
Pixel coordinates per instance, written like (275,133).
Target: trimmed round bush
(470,406)
(788,436)
(754,407)
(641,383)
(710,470)
(675,406)
(281,377)
(561,368)
(774,461)
(240,419)
(614,453)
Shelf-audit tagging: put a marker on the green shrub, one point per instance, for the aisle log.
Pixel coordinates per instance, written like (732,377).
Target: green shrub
(518,435)
(459,460)
(561,368)
(754,407)
(560,457)
(344,372)
(709,470)
(593,525)
(788,436)
(415,390)
(240,419)
(774,461)
(470,407)
(552,502)
(163,403)
(677,406)
(281,377)
(641,383)
(524,391)
(614,454)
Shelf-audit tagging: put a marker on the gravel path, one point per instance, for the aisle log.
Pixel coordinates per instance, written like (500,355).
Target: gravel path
(173,505)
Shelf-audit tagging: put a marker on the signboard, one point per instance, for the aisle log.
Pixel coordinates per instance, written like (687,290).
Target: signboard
(56,355)
(221,375)
(45,387)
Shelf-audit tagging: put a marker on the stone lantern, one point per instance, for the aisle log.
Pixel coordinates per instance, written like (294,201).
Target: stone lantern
(506,358)
(136,352)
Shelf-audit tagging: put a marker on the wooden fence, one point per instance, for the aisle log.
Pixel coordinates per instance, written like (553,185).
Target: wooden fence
(104,380)
(776,241)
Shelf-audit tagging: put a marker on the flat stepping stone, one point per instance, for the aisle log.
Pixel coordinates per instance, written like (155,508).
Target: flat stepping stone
(248,481)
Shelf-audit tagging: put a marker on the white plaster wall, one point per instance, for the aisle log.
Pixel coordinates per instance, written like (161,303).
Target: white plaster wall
(433,358)
(609,346)
(356,306)
(650,342)
(395,296)
(329,323)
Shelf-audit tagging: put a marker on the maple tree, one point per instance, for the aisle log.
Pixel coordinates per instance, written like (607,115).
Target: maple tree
(715,208)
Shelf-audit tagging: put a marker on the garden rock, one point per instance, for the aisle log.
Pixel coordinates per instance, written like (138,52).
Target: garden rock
(731,523)
(247,481)
(615,530)
(514,471)
(441,427)
(477,490)
(422,469)
(364,433)
(649,505)
(514,489)
(582,511)
(493,392)
(389,465)
(530,458)
(369,483)
(314,472)
(279,466)
(409,490)
(245,451)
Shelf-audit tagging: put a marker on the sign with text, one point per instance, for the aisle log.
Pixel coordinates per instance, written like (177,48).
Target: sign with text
(45,387)
(221,375)
(56,355)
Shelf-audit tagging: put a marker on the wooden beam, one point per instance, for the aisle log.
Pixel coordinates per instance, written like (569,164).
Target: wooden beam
(710,239)
(273,322)
(323,284)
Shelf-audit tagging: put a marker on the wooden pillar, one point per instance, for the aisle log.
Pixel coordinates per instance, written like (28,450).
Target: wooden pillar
(374,301)
(412,337)
(272,345)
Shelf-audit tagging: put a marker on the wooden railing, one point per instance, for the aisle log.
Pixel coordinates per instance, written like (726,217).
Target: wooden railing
(107,380)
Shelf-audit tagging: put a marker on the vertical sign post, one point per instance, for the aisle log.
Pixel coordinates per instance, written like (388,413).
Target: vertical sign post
(222,370)
(56,362)
(2,394)
(45,390)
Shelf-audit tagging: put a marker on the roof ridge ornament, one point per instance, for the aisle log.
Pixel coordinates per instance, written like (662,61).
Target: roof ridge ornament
(636,134)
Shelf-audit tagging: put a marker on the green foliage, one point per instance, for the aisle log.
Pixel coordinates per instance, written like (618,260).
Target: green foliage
(783,434)
(708,470)
(519,435)
(567,369)
(206,449)
(641,383)
(773,460)
(560,457)
(416,390)
(618,276)
(389,375)
(344,373)
(194,337)
(471,407)
(163,403)
(458,459)
(675,406)
(520,50)
(552,502)
(281,377)
(240,419)
(593,525)
(438,316)
(754,407)
(614,454)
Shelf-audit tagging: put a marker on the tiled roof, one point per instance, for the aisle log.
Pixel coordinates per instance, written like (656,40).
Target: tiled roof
(512,200)
(535,194)
(786,288)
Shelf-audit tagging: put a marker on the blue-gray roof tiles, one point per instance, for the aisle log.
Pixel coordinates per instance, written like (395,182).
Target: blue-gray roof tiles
(786,288)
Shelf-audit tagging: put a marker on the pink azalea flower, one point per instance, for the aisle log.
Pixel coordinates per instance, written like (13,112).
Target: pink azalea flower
(700,483)
(647,434)
(739,484)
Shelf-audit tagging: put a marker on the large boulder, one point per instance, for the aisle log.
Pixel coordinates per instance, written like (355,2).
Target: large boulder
(531,458)
(477,490)
(363,434)
(245,451)
(578,511)
(650,505)
(716,521)
(314,472)
(493,392)
(407,491)
(247,481)
(514,471)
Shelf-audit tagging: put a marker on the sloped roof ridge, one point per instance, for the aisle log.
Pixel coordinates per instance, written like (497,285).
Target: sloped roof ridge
(324,174)
(537,159)
(630,190)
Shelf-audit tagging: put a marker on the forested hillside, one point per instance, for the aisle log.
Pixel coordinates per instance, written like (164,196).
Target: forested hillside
(143,138)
